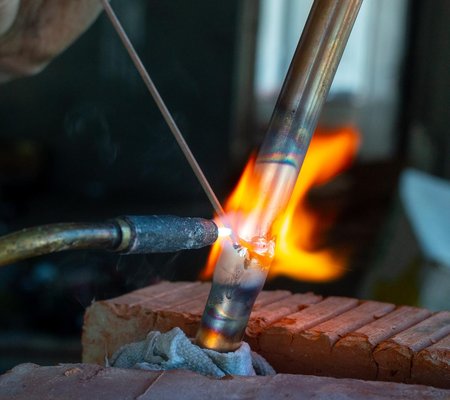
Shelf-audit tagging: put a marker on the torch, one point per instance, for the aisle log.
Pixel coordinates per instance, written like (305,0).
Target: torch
(241,270)
(132,234)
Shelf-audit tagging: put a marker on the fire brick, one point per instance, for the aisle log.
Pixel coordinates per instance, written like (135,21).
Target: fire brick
(394,356)
(315,344)
(261,318)
(87,381)
(353,354)
(296,333)
(431,365)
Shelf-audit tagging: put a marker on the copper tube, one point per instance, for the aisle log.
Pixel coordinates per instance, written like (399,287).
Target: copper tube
(301,99)
(238,278)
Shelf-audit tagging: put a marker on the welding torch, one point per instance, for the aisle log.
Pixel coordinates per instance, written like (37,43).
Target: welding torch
(124,235)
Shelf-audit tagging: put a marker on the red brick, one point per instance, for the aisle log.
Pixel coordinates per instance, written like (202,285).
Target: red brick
(83,381)
(267,297)
(162,288)
(278,342)
(431,366)
(273,312)
(110,324)
(353,353)
(186,316)
(300,333)
(394,356)
(178,296)
(315,344)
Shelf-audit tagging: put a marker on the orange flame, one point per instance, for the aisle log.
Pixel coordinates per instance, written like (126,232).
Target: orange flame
(330,153)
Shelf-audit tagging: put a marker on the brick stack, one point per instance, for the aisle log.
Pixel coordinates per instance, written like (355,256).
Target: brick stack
(297,333)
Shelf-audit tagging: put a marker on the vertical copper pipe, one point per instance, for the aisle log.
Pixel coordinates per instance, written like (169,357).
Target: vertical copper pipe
(301,99)
(239,277)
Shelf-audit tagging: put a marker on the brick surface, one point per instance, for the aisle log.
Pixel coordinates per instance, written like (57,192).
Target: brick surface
(261,318)
(297,333)
(431,365)
(110,324)
(279,342)
(353,354)
(83,381)
(316,344)
(394,356)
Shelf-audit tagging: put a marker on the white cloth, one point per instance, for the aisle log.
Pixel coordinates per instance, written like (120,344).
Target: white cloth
(173,350)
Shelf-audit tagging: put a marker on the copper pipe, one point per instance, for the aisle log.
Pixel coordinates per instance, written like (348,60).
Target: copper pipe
(239,277)
(302,96)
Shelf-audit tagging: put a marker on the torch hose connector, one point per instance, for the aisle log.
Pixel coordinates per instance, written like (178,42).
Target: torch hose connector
(125,235)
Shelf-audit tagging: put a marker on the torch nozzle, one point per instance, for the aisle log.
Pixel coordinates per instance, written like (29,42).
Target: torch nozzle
(165,233)
(125,235)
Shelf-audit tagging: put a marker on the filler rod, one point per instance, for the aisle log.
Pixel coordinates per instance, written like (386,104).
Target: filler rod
(164,111)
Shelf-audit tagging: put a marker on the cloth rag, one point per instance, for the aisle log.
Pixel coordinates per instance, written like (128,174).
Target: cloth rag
(174,350)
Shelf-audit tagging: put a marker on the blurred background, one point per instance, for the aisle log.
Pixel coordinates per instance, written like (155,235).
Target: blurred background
(83,141)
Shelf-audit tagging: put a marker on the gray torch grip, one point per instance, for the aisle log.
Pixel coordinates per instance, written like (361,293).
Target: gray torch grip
(168,233)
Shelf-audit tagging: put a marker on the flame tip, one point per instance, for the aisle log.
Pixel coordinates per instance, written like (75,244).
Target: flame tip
(224,231)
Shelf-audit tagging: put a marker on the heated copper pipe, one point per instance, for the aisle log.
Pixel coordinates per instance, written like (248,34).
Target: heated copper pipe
(302,96)
(238,276)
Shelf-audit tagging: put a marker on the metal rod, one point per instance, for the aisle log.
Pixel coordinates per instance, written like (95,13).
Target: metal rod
(238,279)
(164,110)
